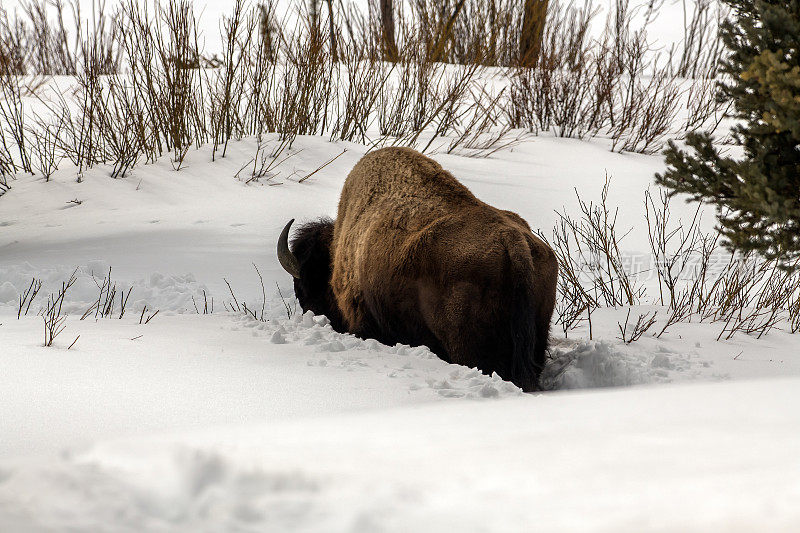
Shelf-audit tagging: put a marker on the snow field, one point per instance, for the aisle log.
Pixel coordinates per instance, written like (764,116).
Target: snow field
(227,423)
(721,457)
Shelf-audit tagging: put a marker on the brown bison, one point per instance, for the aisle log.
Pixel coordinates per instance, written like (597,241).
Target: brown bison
(414,257)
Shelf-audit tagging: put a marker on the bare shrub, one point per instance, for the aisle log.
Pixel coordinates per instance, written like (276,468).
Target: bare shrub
(290,310)
(453,30)
(234,305)
(616,86)
(150,316)
(559,94)
(404,102)
(6,166)
(51,314)
(207,310)
(145,88)
(12,116)
(424,96)
(45,153)
(747,294)
(4,186)
(673,245)
(161,89)
(481,133)
(597,248)
(696,280)
(794,312)
(644,90)
(704,111)
(120,118)
(304,96)
(574,297)
(27,297)
(572,302)
(702,47)
(647,111)
(592,273)
(178,51)
(226,91)
(634,331)
(46,37)
(106,303)
(261,86)
(323,165)
(755,297)
(13,45)
(364,79)
(265,162)
(445,115)
(49,50)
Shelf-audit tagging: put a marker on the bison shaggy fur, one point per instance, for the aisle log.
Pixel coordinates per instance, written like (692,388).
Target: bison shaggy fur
(414,257)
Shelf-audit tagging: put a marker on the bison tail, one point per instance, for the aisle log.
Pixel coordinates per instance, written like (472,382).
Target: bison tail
(525,342)
(529,323)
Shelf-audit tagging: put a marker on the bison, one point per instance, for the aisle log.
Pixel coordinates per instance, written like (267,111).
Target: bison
(414,257)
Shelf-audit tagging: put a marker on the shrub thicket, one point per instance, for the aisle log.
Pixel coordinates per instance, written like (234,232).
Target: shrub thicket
(144,88)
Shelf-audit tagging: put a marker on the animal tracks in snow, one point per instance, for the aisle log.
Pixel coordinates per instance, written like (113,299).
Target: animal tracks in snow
(420,368)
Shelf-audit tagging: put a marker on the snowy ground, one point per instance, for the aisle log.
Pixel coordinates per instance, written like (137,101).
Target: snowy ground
(718,457)
(226,423)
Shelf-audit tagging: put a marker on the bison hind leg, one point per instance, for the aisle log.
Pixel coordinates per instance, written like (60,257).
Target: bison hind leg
(502,335)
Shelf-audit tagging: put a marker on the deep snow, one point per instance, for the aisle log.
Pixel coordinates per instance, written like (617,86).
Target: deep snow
(226,423)
(720,457)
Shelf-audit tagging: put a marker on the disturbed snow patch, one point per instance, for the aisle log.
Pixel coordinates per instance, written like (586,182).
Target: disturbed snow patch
(418,365)
(571,365)
(587,364)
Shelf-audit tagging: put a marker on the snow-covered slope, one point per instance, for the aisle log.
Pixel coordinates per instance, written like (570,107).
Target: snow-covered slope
(222,422)
(204,221)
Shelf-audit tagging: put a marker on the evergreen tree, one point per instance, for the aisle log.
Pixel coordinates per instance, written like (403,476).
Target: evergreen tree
(758,196)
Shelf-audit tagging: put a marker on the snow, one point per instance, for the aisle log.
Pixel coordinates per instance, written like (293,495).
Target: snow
(209,370)
(213,228)
(223,422)
(720,457)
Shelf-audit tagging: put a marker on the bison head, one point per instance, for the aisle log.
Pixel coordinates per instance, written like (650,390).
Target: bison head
(309,263)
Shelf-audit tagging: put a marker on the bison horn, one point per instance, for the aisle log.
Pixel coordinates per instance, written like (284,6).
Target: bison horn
(287,259)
